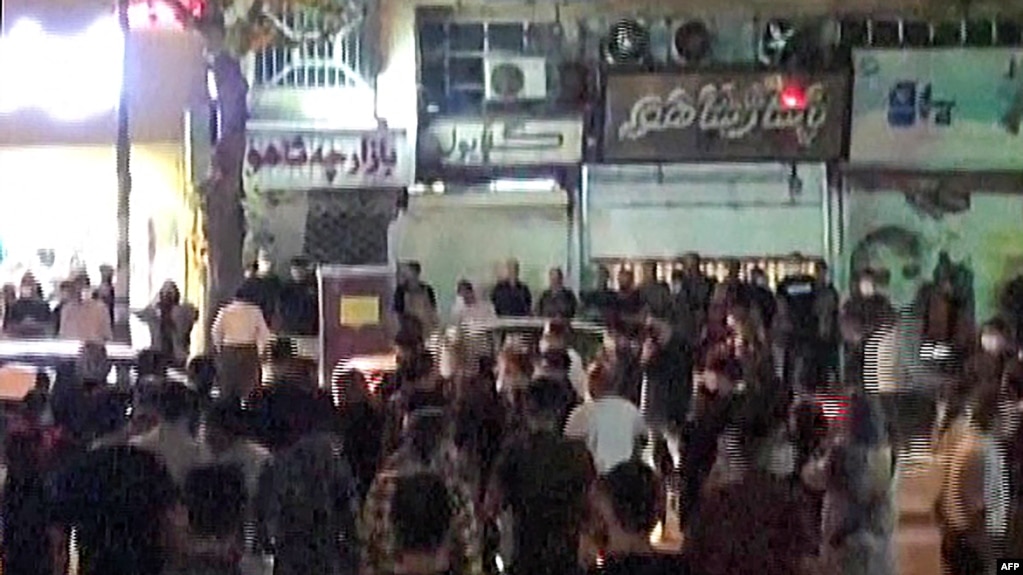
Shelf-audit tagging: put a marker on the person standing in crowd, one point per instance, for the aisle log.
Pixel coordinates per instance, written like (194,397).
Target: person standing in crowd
(973,505)
(946,313)
(863,314)
(422,514)
(612,427)
(125,509)
(692,291)
(468,306)
(308,495)
(172,440)
(797,330)
(629,304)
(213,527)
(511,297)
(105,290)
(32,452)
(557,301)
(667,363)
(857,475)
(299,306)
(9,296)
(543,479)
(762,299)
(170,323)
(600,300)
(627,503)
(241,338)
(514,372)
(415,298)
(656,294)
(29,315)
(992,366)
(428,447)
(556,336)
(83,318)
(65,294)
(716,404)
(228,440)
(826,307)
(264,285)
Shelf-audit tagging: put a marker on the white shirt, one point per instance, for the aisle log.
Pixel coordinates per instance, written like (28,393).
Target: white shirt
(479,311)
(577,375)
(176,448)
(86,321)
(610,426)
(240,324)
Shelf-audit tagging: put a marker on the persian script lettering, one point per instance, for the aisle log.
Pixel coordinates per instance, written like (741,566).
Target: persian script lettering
(478,143)
(728,112)
(371,156)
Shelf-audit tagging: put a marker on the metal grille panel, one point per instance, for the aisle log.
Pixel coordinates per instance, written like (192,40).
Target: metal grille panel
(349,227)
(336,62)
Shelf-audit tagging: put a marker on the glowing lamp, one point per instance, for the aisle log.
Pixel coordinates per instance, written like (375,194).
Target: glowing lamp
(82,72)
(792,98)
(158,15)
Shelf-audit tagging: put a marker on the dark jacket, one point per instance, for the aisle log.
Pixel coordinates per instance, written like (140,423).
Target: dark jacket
(512,299)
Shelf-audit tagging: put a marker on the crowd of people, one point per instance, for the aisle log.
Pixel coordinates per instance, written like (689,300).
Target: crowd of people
(701,411)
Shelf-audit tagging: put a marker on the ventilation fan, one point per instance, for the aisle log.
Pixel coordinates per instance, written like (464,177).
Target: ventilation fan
(628,42)
(783,43)
(516,78)
(691,43)
(776,42)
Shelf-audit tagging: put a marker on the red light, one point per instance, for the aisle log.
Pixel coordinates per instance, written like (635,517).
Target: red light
(792,98)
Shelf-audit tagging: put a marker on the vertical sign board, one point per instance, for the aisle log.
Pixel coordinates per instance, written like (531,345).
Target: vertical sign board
(355,312)
(947,109)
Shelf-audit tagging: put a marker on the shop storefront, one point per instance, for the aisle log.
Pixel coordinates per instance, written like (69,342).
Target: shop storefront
(935,181)
(58,179)
(328,195)
(725,164)
(492,189)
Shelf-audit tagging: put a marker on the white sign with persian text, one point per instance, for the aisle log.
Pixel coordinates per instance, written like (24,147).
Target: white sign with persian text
(503,142)
(280,160)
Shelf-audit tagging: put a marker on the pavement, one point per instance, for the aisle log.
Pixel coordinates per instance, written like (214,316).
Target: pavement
(917,538)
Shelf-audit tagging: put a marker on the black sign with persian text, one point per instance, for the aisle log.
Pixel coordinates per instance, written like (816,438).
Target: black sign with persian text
(724,116)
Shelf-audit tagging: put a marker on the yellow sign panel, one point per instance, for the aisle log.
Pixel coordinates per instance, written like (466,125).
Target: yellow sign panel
(360,311)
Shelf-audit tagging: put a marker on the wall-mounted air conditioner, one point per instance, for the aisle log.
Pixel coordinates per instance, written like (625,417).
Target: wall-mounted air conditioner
(516,78)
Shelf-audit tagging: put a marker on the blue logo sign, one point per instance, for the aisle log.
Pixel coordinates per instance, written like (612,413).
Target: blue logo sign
(911,103)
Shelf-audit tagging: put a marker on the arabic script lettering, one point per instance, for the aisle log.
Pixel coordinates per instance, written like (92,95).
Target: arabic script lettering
(728,111)
(480,143)
(369,156)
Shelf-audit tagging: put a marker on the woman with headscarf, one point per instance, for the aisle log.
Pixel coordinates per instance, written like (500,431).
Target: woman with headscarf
(856,474)
(170,323)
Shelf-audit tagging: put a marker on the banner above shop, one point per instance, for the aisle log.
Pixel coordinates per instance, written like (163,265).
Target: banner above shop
(494,142)
(953,109)
(724,116)
(304,160)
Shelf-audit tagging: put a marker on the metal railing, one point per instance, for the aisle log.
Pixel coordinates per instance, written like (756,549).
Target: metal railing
(305,59)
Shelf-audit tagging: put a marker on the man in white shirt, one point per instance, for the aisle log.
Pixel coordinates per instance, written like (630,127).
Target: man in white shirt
(612,426)
(468,307)
(85,319)
(241,338)
(172,440)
